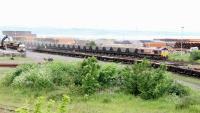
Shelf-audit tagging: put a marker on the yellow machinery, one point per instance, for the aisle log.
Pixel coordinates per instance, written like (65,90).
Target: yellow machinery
(7,42)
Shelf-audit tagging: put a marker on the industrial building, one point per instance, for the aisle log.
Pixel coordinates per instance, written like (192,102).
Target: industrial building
(56,40)
(155,44)
(20,35)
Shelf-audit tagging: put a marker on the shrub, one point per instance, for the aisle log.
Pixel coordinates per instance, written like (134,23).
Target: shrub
(178,90)
(59,73)
(130,81)
(153,84)
(63,105)
(36,79)
(74,71)
(107,100)
(141,79)
(51,107)
(195,55)
(88,77)
(107,75)
(89,74)
(22,68)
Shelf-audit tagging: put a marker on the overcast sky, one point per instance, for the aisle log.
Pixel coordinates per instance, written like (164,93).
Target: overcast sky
(161,15)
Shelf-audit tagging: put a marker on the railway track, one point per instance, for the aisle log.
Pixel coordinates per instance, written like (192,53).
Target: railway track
(8,65)
(179,68)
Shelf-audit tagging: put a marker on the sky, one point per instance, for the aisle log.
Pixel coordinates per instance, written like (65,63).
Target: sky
(151,15)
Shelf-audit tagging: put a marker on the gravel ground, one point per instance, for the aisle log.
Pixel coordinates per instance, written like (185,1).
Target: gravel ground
(39,57)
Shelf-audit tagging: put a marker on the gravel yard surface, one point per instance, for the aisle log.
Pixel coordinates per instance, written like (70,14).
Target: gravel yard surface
(39,57)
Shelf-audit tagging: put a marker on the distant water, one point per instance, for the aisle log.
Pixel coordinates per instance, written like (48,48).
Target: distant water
(101,33)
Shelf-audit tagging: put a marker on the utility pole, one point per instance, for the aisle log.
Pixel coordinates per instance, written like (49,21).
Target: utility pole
(182,28)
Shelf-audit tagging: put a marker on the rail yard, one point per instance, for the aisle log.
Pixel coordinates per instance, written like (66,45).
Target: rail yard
(99,56)
(124,55)
(46,60)
(117,54)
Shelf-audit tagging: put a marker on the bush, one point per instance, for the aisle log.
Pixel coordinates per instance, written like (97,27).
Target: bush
(22,68)
(195,55)
(40,106)
(59,73)
(89,74)
(130,81)
(141,79)
(88,77)
(36,79)
(49,75)
(178,90)
(153,84)
(107,76)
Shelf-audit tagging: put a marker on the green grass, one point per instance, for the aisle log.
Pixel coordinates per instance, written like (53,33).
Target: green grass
(102,102)
(193,82)
(185,57)
(178,57)
(124,103)
(4,70)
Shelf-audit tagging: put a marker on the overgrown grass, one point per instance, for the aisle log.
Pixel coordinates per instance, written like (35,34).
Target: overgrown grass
(106,102)
(178,57)
(4,71)
(188,79)
(185,57)
(89,77)
(109,100)
(126,103)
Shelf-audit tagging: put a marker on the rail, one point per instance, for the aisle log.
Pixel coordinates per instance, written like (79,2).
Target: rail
(172,67)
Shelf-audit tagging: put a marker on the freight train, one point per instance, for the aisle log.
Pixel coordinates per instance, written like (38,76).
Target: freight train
(149,53)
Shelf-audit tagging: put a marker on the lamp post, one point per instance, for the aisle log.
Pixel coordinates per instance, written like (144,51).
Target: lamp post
(182,28)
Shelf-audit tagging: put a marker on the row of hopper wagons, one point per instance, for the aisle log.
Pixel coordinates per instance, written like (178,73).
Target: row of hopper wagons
(149,53)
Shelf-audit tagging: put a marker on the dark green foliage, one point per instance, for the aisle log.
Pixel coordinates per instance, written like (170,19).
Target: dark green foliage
(22,68)
(91,43)
(178,89)
(38,77)
(153,84)
(59,73)
(107,100)
(107,76)
(89,74)
(141,79)
(35,78)
(73,71)
(195,55)
(130,81)
(132,76)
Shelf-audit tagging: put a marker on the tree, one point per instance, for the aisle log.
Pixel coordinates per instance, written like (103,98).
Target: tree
(91,43)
